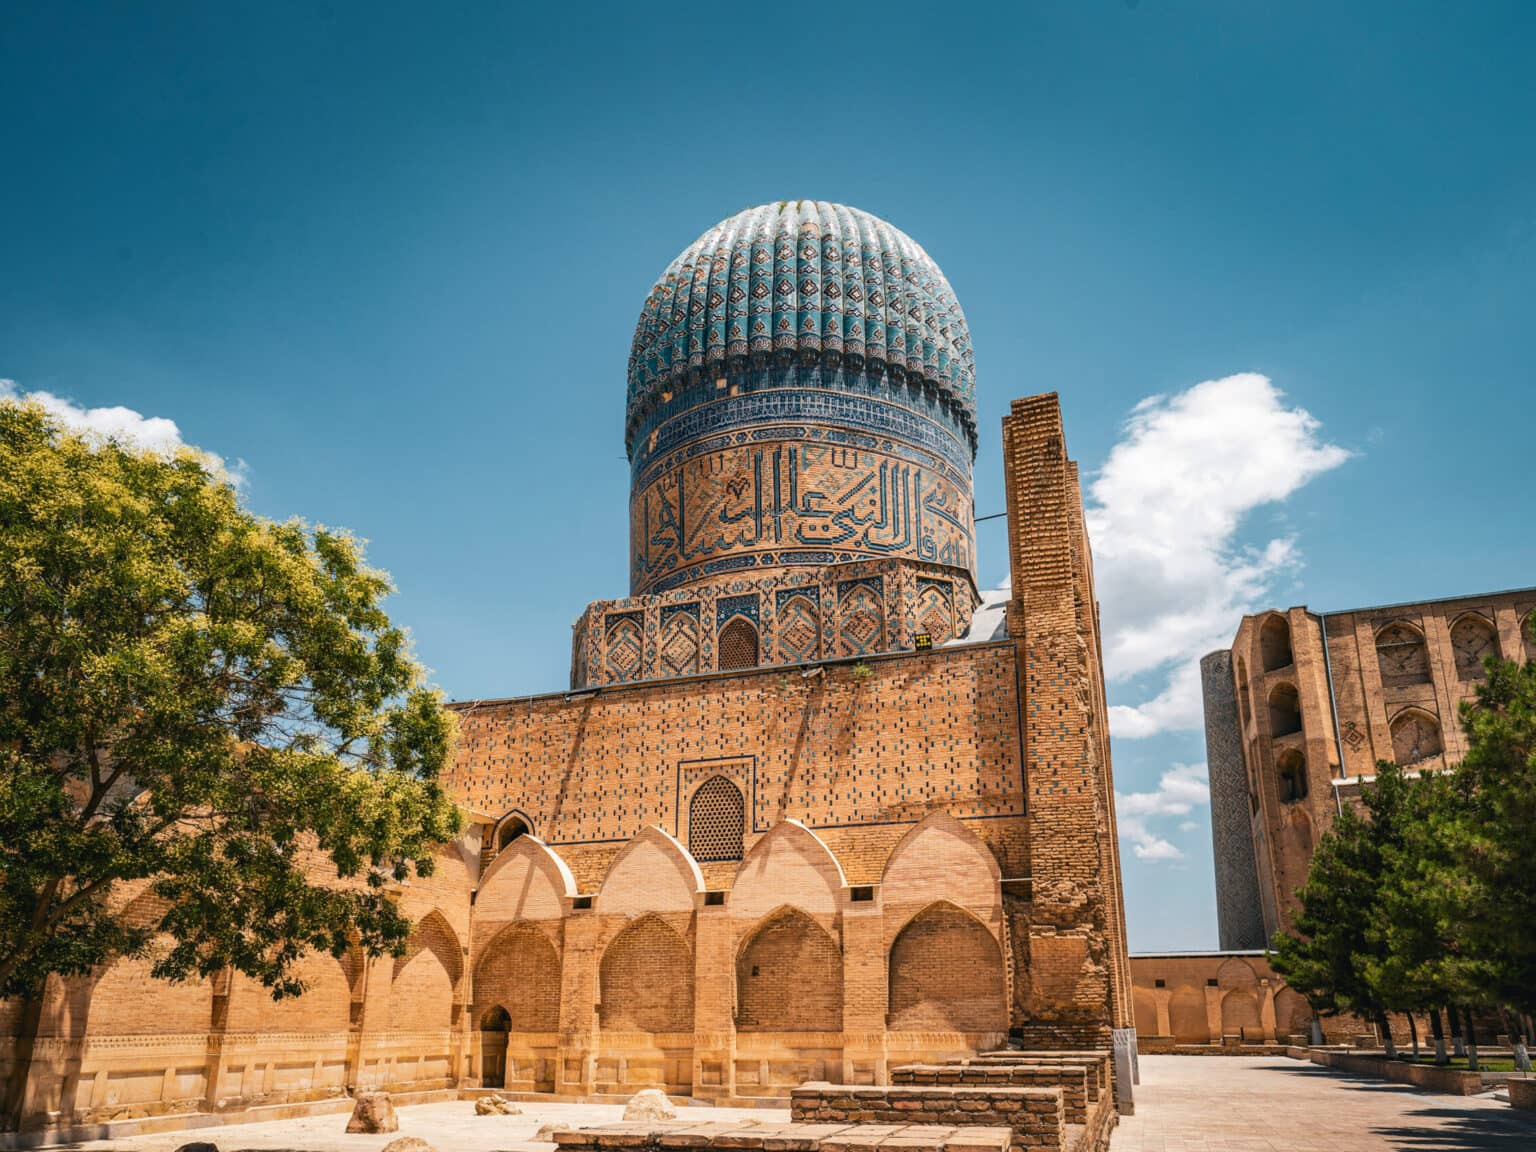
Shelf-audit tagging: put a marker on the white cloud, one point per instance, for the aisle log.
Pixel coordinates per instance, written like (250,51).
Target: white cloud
(150,433)
(1182,789)
(1164,513)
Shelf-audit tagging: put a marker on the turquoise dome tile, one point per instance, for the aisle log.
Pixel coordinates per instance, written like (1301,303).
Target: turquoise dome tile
(807,280)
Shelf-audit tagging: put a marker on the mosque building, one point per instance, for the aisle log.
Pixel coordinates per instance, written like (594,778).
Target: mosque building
(809,808)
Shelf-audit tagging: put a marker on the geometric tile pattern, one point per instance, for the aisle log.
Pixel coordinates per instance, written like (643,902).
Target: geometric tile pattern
(799,628)
(624,647)
(680,644)
(806,277)
(860,617)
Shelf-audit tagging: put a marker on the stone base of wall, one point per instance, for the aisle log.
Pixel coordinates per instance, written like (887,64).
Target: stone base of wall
(1073,1081)
(198,1121)
(1035,1115)
(648,1135)
(1451,1081)
(1168,1046)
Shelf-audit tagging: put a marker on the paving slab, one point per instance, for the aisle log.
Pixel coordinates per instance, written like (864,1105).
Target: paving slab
(1276,1104)
(449,1127)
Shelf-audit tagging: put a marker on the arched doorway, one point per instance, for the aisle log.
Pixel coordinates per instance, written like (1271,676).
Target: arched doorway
(494,1026)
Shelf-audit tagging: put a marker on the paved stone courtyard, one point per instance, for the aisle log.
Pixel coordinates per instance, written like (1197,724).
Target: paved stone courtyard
(1276,1104)
(1184,1104)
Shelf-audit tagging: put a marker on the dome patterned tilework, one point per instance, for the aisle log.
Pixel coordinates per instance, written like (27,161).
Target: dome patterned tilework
(809,279)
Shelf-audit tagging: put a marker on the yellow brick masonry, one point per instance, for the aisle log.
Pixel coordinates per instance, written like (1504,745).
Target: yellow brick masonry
(1077,986)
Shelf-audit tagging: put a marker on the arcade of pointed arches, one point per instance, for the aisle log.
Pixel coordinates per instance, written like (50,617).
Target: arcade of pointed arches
(787,977)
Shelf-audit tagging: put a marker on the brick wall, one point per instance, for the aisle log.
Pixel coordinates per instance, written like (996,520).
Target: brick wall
(1073,1081)
(1035,1115)
(647,979)
(946,974)
(519,971)
(921,731)
(1075,984)
(789,978)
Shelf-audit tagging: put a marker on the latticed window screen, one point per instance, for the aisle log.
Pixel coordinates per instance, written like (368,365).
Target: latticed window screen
(716,820)
(738,645)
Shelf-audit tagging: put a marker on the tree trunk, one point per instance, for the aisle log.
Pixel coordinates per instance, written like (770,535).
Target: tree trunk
(1384,1026)
(21,1061)
(1438,1030)
(1516,1028)
(1472,1064)
(1458,1045)
(1413,1034)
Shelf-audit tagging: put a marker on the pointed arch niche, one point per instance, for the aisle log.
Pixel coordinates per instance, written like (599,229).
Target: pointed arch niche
(946,974)
(789,976)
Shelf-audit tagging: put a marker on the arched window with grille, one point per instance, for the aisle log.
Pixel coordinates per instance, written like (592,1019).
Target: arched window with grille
(716,820)
(738,645)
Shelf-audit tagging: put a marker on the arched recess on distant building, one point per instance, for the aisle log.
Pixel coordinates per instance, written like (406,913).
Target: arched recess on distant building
(1245,704)
(1240,1015)
(1528,634)
(946,975)
(1145,1002)
(1415,737)
(1293,1015)
(646,979)
(1299,839)
(789,976)
(1401,655)
(1186,1015)
(1473,640)
(1235,972)
(423,981)
(1275,643)
(1291,776)
(1284,710)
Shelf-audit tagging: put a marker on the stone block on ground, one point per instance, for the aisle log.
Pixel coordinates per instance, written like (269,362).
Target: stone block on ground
(649,1104)
(409,1144)
(495,1105)
(373,1112)
(199,1146)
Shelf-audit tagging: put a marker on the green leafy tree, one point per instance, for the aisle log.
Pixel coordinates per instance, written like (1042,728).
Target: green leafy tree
(1494,908)
(204,702)
(1478,888)
(1330,955)
(1418,962)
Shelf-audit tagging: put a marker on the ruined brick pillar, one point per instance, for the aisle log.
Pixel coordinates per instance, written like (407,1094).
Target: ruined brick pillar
(1072,978)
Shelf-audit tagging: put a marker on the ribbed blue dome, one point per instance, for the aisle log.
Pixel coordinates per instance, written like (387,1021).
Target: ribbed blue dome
(802,280)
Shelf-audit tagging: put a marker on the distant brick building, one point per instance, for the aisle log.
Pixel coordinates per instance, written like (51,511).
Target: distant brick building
(1304,705)
(803,813)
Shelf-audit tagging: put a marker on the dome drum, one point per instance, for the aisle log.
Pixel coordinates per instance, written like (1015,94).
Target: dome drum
(801,426)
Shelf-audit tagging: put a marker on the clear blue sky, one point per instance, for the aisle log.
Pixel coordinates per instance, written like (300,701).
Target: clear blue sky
(391,257)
